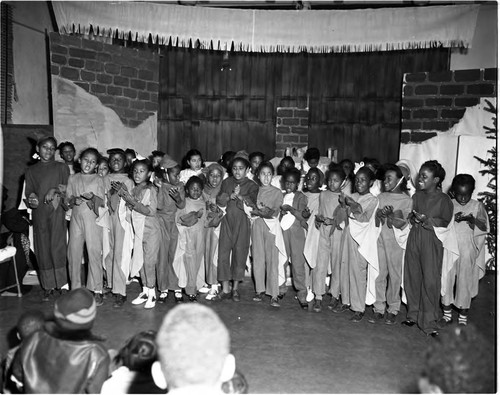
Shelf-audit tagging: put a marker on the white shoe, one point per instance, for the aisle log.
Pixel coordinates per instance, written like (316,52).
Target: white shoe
(151,302)
(310,295)
(143,297)
(211,294)
(204,289)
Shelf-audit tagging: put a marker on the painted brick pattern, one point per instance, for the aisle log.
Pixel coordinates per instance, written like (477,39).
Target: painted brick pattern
(124,79)
(437,101)
(292,126)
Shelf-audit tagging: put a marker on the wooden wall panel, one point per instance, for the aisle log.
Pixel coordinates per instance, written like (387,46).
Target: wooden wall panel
(354,99)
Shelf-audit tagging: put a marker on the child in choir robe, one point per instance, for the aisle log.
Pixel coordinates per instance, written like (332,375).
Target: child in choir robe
(215,174)
(192,165)
(294,227)
(255,159)
(190,250)
(391,217)
(424,250)
(237,191)
(67,153)
(312,182)
(171,197)
(471,228)
(328,259)
(142,200)
(45,183)
(265,253)
(84,195)
(120,228)
(359,249)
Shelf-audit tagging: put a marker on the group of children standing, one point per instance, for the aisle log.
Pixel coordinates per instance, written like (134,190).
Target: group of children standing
(361,231)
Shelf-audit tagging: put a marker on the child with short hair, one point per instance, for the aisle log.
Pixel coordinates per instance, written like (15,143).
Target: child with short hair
(255,159)
(374,165)
(120,228)
(67,153)
(471,227)
(359,250)
(424,250)
(171,197)
(330,237)
(234,241)
(142,200)
(294,227)
(84,195)
(225,161)
(190,222)
(156,157)
(312,183)
(215,174)
(285,164)
(192,165)
(45,182)
(102,168)
(265,252)
(392,215)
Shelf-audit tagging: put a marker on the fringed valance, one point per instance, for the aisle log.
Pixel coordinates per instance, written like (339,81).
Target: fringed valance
(364,30)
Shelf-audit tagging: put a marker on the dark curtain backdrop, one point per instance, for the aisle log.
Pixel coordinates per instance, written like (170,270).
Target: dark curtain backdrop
(354,99)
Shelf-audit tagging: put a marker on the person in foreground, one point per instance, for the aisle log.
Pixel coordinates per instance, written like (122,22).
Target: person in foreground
(65,357)
(193,350)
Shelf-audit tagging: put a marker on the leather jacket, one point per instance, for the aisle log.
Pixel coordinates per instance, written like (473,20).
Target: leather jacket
(51,361)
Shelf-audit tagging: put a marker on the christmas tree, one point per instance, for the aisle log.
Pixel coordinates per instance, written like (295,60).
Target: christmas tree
(489,198)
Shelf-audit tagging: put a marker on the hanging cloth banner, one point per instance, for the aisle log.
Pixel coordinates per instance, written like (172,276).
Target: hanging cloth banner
(313,31)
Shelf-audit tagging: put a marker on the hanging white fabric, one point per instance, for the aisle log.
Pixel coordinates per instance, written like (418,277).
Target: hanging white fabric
(273,30)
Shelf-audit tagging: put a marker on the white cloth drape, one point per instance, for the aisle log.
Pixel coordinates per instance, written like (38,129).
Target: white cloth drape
(273,30)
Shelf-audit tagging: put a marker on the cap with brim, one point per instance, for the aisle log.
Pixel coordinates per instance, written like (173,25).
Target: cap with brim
(115,151)
(215,166)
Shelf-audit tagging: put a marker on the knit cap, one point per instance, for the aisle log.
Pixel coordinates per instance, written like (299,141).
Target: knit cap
(241,154)
(75,310)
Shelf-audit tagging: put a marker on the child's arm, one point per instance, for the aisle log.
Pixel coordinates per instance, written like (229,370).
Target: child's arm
(480,221)
(178,194)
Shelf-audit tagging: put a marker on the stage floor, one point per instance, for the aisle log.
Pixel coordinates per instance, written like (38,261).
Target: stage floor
(288,350)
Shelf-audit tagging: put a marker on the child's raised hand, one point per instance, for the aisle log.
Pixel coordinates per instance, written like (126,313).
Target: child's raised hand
(419,217)
(286,207)
(157,182)
(458,216)
(349,200)
(199,213)
(78,200)
(306,213)
(386,210)
(33,201)
(116,185)
(174,193)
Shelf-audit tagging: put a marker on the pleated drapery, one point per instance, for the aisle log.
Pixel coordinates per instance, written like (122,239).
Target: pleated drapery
(315,31)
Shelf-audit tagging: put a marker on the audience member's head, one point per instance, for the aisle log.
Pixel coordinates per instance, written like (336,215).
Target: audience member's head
(75,311)
(193,348)
(460,361)
(237,385)
(140,351)
(30,322)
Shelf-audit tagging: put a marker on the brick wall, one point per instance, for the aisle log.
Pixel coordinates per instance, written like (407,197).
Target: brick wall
(437,101)
(124,79)
(292,126)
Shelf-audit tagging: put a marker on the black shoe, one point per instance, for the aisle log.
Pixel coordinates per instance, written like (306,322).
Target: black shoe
(376,318)
(317,306)
(390,319)
(340,308)
(107,292)
(443,322)
(275,302)
(98,299)
(119,301)
(222,296)
(433,334)
(333,303)
(281,296)
(193,298)
(357,316)
(408,323)
(47,294)
(258,297)
(236,296)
